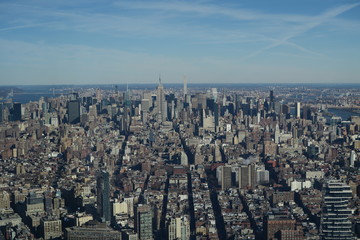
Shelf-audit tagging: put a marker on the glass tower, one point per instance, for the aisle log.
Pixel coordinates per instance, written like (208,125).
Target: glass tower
(335,219)
(103,196)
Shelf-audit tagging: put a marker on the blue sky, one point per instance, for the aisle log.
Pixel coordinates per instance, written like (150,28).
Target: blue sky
(113,42)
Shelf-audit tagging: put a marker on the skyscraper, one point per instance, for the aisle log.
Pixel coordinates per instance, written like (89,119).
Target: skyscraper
(74,111)
(161,103)
(335,222)
(247,176)
(16,112)
(185,87)
(225,177)
(103,196)
(179,227)
(298,109)
(143,222)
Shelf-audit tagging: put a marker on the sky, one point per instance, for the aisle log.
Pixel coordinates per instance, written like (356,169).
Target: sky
(205,41)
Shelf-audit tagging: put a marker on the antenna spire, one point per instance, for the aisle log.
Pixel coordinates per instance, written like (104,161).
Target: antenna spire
(160,78)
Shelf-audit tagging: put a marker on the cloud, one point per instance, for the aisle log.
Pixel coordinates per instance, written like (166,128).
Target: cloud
(19,27)
(209,9)
(306,27)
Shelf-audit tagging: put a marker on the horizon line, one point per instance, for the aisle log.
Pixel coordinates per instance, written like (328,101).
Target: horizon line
(191,83)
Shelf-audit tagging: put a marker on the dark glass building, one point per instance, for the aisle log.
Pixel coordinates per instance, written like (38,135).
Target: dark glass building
(103,196)
(74,112)
(16,112)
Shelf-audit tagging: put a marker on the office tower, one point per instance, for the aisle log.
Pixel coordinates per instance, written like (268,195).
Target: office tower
(216,115)
(352,158)
(1,112)
(335,222)
(185,87)
(201,101)
(103,196)
(272,96)
(272,100)
(262,175)
(225,177)
(277,134)
(143,222)
(179,227)
(16,112)
(247,176)
(74,111)
(298,109)
(161,103)
(145,104)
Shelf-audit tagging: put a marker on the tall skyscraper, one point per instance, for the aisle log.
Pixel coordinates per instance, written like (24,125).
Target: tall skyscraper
(179,227)
(16,112)
(143,222)
(352,158)
(161,103)
(298,109)
(74,111)
(1,112)
(226,177)
(335,222)
(103,196)
(272,100)
(185,87)
(277,134)
(247,176)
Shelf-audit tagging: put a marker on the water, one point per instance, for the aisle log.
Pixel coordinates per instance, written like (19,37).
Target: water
(31,97)
(344,113)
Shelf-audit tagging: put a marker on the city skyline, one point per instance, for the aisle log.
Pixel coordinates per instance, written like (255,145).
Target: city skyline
(84,42)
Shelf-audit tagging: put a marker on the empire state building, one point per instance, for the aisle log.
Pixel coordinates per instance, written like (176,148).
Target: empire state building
(161,103)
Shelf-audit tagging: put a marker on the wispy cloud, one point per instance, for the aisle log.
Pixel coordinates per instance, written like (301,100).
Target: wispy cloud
(209,9)
(306,27)
(19,27)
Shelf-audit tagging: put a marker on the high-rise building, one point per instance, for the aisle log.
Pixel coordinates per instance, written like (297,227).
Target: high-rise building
(226,177)
(103,196)
(272,100)
(179,228)
(74,112)
(298,109)
(1,112)
(185,87)
(262,175)
(335,222)
(143,222)
(161,103)
(16,112)
(247,176)
(277,134)
(216,115)
(352,158)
